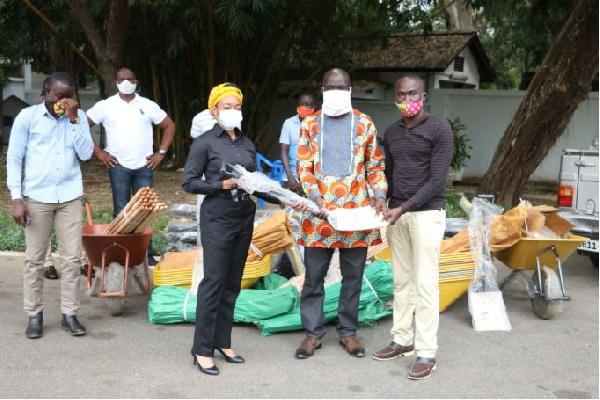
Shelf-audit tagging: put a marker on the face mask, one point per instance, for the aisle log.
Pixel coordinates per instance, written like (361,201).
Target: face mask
(304,112)
(410,108)
(60,108)
(336,102)
(230,119)
(126,87)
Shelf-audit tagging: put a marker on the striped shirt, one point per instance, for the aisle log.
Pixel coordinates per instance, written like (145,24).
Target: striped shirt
(417,162)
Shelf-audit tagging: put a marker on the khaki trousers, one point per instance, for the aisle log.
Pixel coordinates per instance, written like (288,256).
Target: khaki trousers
(49,261)
(67,223)
(415,241)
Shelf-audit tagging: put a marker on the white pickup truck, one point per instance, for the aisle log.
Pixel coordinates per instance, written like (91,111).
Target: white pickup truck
(578,196)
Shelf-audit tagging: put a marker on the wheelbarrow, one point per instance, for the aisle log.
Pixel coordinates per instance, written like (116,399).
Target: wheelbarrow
(128,250)
(546,287)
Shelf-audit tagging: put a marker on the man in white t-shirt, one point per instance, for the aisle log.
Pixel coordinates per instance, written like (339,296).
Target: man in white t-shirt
(290,139)
(128,120)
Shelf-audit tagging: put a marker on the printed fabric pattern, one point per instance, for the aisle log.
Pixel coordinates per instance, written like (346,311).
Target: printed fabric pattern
(354,190)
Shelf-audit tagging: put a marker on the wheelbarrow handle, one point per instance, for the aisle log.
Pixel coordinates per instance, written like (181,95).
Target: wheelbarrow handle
(87,211)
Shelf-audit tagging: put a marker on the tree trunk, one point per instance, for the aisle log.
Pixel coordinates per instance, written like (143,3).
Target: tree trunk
(458,15)
(109,48)
(561,83)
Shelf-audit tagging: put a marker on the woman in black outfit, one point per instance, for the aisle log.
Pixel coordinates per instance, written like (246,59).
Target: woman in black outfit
(227,219)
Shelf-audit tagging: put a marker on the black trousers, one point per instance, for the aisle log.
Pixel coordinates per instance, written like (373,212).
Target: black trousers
(226,230)
(316,261)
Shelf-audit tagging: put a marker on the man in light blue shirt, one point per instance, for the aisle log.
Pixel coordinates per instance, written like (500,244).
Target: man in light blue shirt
(290,138)
(46,142)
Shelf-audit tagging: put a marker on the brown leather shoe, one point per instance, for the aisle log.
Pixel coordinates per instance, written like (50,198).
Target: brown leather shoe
(352,346)
(307,347)
(393,350)
(422,368)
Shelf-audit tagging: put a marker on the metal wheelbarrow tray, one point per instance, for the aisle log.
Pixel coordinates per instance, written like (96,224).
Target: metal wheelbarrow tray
(128,250)
(546,287)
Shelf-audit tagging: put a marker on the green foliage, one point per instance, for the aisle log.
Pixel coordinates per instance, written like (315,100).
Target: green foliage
(159,243)
(517,34)
(161,223)
(13,235)
(462,145)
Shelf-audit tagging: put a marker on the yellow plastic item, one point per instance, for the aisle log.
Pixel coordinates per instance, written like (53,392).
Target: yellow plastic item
(161,277)
(254,270)
(452,288)
(522,254)
(247,283)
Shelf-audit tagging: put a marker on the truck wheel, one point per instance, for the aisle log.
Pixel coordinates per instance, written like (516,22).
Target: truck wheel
(542,307)
(594,260)
(114,283)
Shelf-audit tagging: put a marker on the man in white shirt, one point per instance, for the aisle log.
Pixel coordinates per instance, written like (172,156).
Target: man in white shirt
(290,138)
(128,120)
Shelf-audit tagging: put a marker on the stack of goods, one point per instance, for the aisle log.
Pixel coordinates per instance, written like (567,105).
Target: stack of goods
(172,304)
(141,211)
(274,306)
(254,270)
(272,234)
(377,288)
(175,269)
(455,273)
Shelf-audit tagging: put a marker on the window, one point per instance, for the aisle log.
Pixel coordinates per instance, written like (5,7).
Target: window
(459,64)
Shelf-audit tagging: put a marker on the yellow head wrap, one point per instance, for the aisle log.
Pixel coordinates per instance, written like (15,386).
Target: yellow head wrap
(221,91)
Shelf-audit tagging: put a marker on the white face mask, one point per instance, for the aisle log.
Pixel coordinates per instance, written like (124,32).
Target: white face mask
(230,119)
(336,102)
(126,87)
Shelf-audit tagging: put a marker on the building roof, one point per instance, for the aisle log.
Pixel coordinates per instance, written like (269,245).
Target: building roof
(427,53)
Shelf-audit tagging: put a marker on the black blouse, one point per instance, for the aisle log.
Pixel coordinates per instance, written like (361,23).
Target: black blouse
(209,155)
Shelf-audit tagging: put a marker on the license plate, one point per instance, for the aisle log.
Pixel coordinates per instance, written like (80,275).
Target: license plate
(591,245)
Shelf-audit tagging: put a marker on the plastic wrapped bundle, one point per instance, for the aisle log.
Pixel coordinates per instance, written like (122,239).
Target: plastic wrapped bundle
(355,219)
(377,288)
(257,182)
(172,304)
(486,304)
(271,235)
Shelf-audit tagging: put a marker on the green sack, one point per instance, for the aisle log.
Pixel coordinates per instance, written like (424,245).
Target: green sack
(255,305)
(377,288)
(173,304)
(270,282)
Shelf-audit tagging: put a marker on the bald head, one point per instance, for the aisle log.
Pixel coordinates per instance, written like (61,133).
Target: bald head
(336,79)
(415,78)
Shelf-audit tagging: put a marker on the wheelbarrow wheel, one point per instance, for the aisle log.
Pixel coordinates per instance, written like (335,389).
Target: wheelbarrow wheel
(542,307)
(114,283)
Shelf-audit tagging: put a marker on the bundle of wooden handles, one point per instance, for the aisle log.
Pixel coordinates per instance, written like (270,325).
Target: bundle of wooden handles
(141,211)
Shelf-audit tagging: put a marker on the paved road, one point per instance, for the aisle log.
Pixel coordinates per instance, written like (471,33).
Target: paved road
(126,357)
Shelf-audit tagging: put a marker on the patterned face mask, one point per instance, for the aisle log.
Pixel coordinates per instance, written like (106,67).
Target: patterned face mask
(60,108)
(410,108)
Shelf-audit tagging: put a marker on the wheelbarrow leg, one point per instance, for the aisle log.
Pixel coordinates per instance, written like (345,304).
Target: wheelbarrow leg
(144,286)
(509,278)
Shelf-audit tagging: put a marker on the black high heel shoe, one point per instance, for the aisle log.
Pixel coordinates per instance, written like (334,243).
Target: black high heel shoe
(233,360)
(214,370)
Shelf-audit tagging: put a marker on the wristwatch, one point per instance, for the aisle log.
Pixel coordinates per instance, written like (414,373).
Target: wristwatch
(76,121)
(162,151)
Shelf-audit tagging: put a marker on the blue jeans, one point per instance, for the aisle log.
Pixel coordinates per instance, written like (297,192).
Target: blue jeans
(124,183)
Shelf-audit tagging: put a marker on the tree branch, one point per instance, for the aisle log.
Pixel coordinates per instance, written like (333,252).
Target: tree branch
(51,25)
